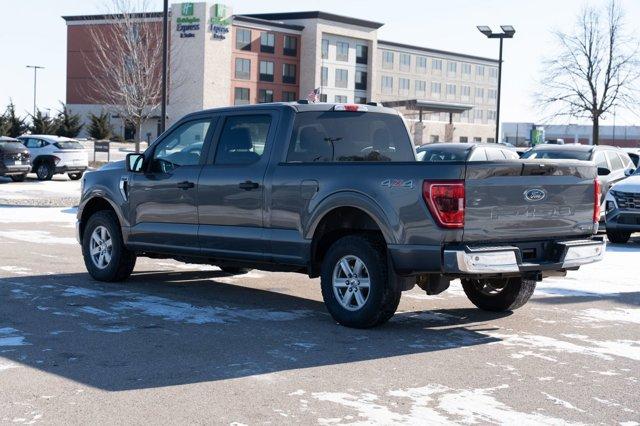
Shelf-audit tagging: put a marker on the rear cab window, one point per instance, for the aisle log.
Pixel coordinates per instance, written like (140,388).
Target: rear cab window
(558,154)
(338,136)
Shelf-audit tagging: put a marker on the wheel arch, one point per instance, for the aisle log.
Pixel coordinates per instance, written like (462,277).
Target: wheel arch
(93,205)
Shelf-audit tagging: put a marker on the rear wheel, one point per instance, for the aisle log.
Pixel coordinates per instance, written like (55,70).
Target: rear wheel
(355,282)
(618,237)
(105,256)
(18,178)
(75,176)
(499,295)
(44,170)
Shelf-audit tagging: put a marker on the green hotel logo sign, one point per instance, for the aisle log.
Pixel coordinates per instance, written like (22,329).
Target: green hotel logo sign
(187,9)
(219,22)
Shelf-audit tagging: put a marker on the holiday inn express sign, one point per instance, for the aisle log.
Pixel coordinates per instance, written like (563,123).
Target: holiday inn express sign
(187,23)
(219,24)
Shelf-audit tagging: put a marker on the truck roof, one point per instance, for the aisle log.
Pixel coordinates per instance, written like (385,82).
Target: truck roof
(298,106)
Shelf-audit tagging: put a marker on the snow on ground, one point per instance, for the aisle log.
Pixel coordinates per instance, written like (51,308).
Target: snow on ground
(10,215)
(59,186)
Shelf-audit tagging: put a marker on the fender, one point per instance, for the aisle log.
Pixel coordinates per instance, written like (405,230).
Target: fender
(103,194)
(317,211)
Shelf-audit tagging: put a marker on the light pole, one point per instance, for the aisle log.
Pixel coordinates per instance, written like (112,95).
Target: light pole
(507,32)
(35,84)
(163,107)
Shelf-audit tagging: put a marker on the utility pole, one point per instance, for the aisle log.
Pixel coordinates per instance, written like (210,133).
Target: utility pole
(165,30)
(35,84)
(507,32)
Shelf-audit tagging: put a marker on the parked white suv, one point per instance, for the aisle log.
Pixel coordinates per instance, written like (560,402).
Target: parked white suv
(622,207)
(55,154)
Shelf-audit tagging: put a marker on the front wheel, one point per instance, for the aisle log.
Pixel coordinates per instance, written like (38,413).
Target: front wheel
(355,282)
(105,255)
(75,176)
(18,178)
(618,237)
(44,170)
(499,295)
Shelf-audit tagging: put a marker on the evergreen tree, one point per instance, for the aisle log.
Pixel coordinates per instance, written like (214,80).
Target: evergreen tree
(17,125)
(43,124)
(69,124)
(4,125)
(100,127)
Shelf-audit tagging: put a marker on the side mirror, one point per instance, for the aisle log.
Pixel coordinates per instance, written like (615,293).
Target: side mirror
(629,172)
(134,162)
(602,171)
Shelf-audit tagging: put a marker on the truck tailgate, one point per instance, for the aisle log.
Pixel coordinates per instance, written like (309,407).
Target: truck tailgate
(528,200)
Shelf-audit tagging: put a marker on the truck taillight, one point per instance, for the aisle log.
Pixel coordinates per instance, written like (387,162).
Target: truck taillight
(445,200)
(597,193)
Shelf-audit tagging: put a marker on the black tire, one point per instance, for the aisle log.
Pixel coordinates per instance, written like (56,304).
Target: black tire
(74,176)
(18,178)
(44,170)
(122,260)
(234,270)
(499,295)
(618,237)
(382,298)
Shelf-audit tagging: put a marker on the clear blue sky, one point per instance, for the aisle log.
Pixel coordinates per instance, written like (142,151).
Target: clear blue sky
(34,33)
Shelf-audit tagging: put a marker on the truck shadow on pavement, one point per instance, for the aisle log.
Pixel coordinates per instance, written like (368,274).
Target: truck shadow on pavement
(163,329)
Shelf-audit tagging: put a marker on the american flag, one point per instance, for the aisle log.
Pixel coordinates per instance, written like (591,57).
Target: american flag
(313,95)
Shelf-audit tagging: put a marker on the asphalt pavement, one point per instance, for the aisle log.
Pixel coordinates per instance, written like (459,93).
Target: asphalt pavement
(189,344)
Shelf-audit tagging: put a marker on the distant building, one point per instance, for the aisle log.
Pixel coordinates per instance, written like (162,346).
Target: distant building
(519,134)
(271,57)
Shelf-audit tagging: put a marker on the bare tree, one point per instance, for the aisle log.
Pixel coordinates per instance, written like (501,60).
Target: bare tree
(125,64)
(594,70)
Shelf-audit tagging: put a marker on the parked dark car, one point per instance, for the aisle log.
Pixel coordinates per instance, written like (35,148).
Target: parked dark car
(613,163)
(335,191)
(14,159)
(454,151)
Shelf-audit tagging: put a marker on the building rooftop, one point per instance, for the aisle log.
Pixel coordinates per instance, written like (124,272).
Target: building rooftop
(287,16)
(383,43)
(272,23)
(103,17)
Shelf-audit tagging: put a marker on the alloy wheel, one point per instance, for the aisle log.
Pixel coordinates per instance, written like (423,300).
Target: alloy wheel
(101,247)
(351,282)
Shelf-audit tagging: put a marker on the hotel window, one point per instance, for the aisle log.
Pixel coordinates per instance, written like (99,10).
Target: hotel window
(491,115)
(243,68)
(323,97)
(466,68)
(436,64)
(465,91)
(243,39)
(387,84)
(477,139)
(493,72)
(265,95)
(420,87)
(289,73)
(290,46)
(436,88)
(405,62)
(434,138)
(340,99)
(387,60)
(342,51)
(361,80)
(360,100)
(241,96)
(342,78)
(492,140)
(289,97)
(492,94)
(451,89)
(452,67)
(362,54)
(267,42)
(479,93)
(324,76)
(325,48)
(464,139)
(421,64)
(403,86)
(266,71)
(479,115)
(480,70)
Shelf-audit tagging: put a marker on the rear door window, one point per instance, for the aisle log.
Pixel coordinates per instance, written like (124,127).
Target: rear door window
(243,139)
(600,160)
(616,162)
(494,154)
(339,136)
(478,154)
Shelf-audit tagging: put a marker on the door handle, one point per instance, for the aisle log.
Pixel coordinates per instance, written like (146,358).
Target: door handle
(248,185)
(185,185)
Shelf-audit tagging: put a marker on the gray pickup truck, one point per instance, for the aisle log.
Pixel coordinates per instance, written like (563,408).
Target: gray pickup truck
(335,191)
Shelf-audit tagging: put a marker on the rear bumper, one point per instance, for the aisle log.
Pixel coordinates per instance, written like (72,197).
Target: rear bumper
(492,260)
(508,259)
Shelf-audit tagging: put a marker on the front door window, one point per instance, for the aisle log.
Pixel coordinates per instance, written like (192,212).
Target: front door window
(182,147)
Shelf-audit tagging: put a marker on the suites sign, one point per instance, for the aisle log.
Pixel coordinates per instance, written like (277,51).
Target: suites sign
(219,23)
(187,23)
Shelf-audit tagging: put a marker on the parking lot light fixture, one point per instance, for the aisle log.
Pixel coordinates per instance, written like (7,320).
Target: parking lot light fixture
(508,31)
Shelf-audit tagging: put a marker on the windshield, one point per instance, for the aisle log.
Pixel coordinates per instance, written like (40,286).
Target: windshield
(558,154)
(68,145)
(10,144)
(349,136)
(438,154)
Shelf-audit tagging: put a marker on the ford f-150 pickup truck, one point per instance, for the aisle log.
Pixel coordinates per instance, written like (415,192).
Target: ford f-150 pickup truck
(334,191)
